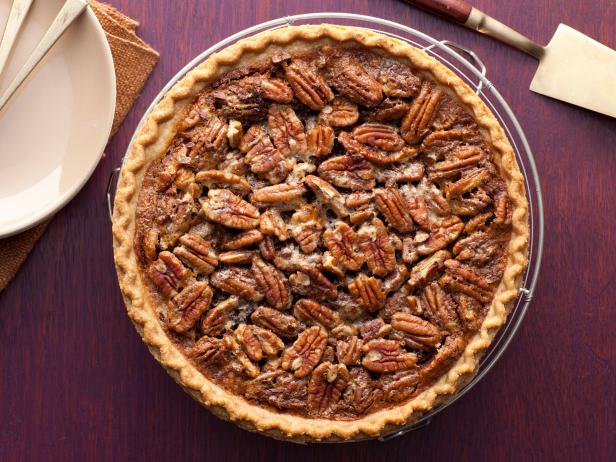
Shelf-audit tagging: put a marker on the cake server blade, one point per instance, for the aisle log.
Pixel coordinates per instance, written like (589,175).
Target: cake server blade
(579,70)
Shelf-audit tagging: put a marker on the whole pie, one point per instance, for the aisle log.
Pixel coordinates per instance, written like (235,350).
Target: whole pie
(319,231)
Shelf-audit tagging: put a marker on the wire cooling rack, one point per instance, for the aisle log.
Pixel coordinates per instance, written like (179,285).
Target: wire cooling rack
(469,67)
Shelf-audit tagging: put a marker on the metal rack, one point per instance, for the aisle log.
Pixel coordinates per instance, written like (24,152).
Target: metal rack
(469,67)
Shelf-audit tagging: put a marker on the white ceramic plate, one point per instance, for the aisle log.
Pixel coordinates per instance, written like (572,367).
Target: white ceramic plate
(54,130)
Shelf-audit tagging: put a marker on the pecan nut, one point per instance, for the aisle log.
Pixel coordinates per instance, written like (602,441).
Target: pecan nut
(320,140)
(349,351)
(312,312)
(379,135)
(326,386)
(417,333)
(367,291)
(218,179)
(237,281)
(196,253)
(244,239)
(216,320)
(236,257)
(272,283)
(351,172)
(448,231)
(281,324)
(307,84)
(168,273)
(327,195)
(271,223)
(464,279)
(416,123)
(341,242)
(286,130)
(439,307)
(304,355)
(395,207)
(340,113)
(427,269)
(224,207)
(276,194)
(207,349)
(382,356)
(261,155)
(374,242)
(310,282)
(189,305)
(353,82)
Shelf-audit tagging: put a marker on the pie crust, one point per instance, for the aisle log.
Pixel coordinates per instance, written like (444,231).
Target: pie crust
(152,142)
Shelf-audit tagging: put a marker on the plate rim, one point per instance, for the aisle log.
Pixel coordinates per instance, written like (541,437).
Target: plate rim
(63,199)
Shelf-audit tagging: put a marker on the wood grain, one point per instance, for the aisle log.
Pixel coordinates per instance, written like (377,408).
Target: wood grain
(78,384)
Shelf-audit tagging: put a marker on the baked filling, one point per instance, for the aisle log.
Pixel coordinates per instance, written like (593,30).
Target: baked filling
(325,232)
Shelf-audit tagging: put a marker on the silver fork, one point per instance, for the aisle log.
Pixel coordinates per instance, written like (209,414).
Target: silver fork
(70,11)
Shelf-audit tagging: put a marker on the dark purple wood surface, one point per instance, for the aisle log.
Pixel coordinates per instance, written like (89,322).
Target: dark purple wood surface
(77,383)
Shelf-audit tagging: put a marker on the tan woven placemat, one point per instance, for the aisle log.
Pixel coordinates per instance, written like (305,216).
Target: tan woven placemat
(134,61)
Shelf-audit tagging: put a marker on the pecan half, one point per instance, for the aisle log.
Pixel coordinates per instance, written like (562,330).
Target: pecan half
(244,239)
(417,333)
(275,89)
(215,321)
(168,273)
(261,155)
(189,305)
(235,131)
(272,283)
(217,179)
(352,81)
(398,80)
(471,205)
(304,355)
(209,141)
(286,130)
(470,180)
(374,155)
(206,350)
(439,307)
(307,84)
(378,135)
(320,140)
(310,282)
(281,324)
(462,159)
(349,351)
(267,249)
(326,385)
(277,194)
(249,342)
(272,224)
(279,389)
(448,231)
(384,356)
(375,328)
(396,279)
(427,269)
(340,113)
(399,386)
(196,253)
(250,368)
(416,123)
(502,210)
(395,207)
(374,242)
(237,281)
(327,195)
(351,172)
(236,257)
(312,312)
(307,235)
(464,279)
(367,291)
(389,110)
(361,392)
(224,207)
(341,242)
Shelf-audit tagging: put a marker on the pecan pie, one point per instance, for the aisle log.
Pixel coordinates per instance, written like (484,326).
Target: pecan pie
(318,231)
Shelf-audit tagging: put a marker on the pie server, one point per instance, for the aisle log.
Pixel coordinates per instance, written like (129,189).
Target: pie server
(572,67)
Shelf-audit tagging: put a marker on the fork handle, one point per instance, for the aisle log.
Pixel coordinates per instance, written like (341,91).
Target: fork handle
(18,13)
(71,10)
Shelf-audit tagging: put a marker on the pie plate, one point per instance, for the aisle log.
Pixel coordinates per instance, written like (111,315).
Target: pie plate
(55,128)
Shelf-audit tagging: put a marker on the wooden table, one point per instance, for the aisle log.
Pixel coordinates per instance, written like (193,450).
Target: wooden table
(78,384)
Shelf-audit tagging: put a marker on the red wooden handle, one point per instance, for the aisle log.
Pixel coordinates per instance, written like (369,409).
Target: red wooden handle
(454,10)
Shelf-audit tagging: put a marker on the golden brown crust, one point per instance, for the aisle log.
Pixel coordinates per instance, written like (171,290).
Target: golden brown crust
(152,141)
